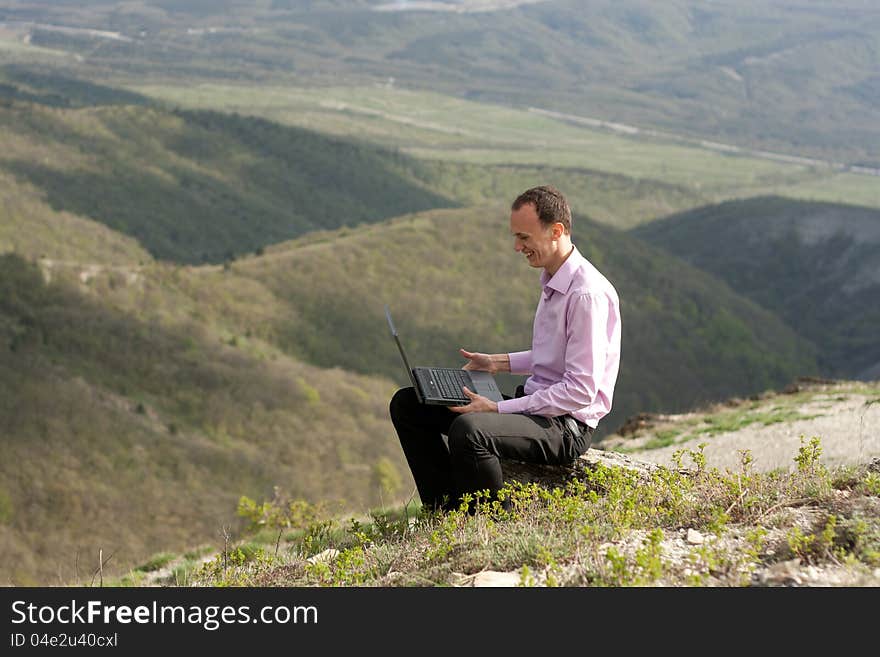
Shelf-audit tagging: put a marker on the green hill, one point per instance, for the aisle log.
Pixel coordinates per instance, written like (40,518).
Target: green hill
(200,186)
(438,127)
(196,186)
(134,435)
(815,265)
(47,86)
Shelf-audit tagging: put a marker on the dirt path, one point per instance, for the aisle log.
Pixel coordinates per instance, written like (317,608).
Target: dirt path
(848,426)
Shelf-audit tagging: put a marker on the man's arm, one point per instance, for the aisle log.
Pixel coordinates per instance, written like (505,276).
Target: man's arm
(516,362)
(491,363)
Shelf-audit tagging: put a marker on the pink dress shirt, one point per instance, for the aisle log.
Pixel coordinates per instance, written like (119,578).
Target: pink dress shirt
(575,354)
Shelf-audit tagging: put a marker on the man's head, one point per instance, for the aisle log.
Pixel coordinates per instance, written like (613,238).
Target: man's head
(550,206)
(540,221)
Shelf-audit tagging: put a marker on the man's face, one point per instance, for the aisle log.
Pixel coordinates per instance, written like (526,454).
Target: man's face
(531,238)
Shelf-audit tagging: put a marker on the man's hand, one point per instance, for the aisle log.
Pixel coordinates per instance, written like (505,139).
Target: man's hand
(479,404)
(477,361)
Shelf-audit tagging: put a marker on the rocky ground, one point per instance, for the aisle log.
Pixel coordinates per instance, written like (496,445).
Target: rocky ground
(845,416)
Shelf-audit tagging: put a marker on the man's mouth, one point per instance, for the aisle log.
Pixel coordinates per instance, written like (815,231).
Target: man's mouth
(528,254)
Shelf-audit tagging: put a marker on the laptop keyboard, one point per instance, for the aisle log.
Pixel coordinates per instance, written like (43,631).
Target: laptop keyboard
(450,381)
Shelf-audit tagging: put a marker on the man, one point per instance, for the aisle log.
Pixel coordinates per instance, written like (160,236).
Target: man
(573,364)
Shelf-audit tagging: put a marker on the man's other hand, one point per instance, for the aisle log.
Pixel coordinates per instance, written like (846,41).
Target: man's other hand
(479,404)
(478,361)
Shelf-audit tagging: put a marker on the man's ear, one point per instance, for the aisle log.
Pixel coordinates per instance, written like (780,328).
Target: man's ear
(558,230)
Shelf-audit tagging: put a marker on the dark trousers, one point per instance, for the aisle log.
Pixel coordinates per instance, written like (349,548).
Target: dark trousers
(468,460)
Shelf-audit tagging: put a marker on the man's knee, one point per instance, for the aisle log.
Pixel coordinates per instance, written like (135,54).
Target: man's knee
(465,434)
(403,399)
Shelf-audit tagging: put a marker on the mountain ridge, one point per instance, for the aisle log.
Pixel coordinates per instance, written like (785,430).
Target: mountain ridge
(799,79)
(815,264)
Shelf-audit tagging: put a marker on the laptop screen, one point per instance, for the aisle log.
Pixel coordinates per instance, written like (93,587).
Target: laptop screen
(402,352)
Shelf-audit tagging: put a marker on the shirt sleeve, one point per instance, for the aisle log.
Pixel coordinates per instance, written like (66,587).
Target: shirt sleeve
(520,362)
(586,349)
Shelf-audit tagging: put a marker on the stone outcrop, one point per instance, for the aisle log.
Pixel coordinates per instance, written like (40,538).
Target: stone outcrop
(557,475)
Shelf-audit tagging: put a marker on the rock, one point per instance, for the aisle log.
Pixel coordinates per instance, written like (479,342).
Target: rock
(784,573)
(326,556)
(694,537)
(557,475)
(489,578)
(636,422)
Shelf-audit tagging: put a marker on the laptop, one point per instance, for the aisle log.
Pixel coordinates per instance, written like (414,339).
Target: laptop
(442,385)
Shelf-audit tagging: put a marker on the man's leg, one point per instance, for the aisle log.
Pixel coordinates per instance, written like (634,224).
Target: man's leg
(420,428)
(478,440)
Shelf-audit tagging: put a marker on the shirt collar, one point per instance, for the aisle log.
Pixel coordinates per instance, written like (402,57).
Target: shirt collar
(561,280)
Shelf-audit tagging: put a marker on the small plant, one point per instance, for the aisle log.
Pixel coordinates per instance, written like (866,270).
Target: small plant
(525,577)
(552,568)
(648,556)
(813,548)
(871,483)
(318,536)
(643,568)
(733,567)
(351,567)
(278,514)
(812,479)
(808,455)
(156,562)
(234,568)
(442,539)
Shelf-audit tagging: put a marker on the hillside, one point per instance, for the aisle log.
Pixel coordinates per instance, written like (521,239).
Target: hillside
(213,382)
(727,508)
(132,434)
(801,78)
(436,127)
(813,264)
(197,186)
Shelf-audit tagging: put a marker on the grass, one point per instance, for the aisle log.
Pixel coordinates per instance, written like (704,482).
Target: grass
(664,438)
(850,188)
(601,527)
(734,421)
(726,421)
(156,562)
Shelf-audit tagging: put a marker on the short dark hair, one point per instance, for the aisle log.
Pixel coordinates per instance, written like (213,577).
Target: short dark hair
(549,203)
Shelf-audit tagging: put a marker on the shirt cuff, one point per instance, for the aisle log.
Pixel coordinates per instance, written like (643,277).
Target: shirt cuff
(517,405)
(520,362)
